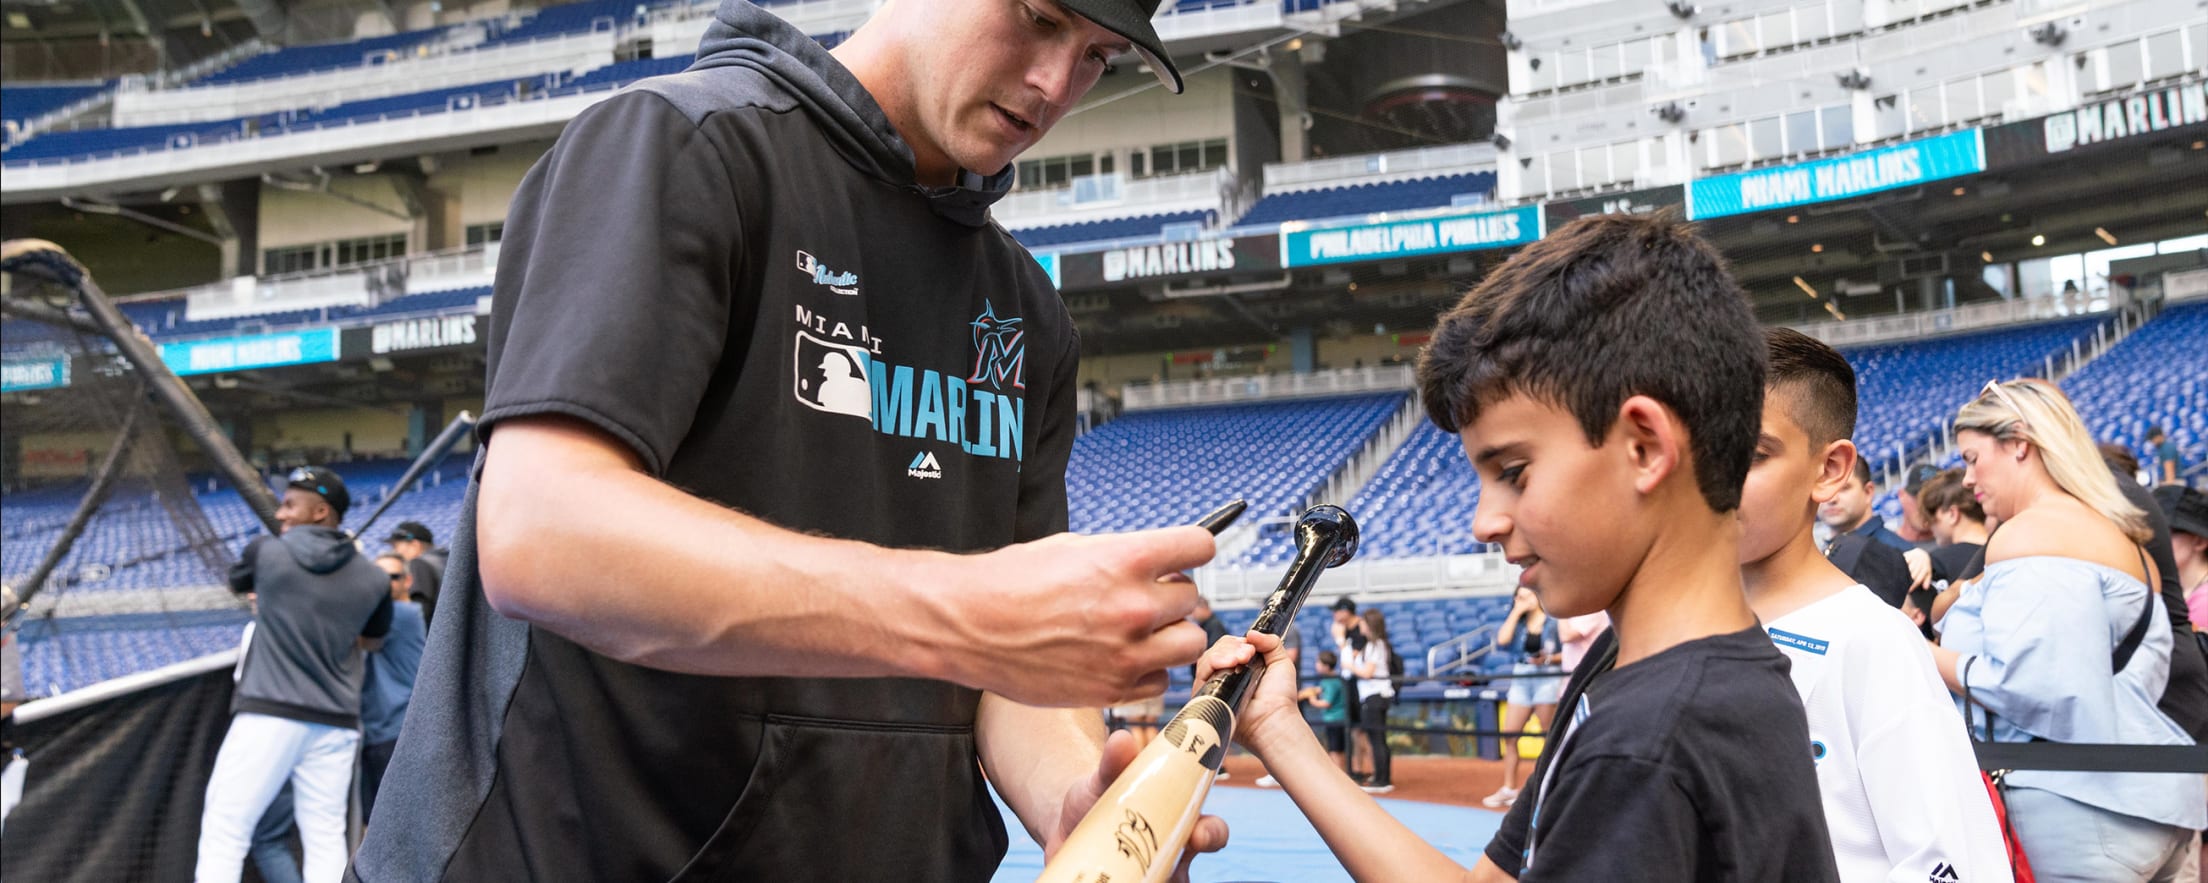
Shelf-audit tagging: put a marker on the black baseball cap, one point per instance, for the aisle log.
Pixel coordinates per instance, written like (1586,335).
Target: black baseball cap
(2187,509)
(1917,476)
(411,530)
(1131,19)
(323,482)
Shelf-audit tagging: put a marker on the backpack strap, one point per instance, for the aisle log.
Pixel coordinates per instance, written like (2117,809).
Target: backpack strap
(2138,633)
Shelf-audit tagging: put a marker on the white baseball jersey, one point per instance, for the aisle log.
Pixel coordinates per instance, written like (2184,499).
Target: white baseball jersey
(1903,797)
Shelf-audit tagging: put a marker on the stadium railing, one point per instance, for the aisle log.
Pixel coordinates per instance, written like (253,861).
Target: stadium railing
(1223,390)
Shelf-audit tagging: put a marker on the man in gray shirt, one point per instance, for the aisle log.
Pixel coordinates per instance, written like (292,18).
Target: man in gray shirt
(297,706)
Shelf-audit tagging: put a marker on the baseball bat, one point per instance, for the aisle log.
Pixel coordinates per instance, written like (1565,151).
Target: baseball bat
(431,456)
(1137,829)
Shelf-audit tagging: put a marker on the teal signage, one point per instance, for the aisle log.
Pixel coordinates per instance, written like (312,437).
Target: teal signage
(251,351)
(24,375)
(1884,168)
(1442,234)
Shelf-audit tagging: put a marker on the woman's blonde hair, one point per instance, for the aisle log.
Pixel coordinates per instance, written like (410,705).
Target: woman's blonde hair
(2037,412)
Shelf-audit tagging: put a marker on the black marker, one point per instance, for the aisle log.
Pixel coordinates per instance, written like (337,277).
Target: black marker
(1221,518)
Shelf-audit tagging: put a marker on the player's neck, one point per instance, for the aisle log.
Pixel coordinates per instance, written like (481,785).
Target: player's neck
(1792,578)
(1687,587)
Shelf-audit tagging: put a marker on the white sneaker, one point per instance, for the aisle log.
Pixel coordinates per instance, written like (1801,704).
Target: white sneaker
(1501,799)
(1377,789)
(1223,776)
(1267,781)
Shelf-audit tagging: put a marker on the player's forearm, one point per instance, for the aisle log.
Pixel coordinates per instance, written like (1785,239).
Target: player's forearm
(641,572)
(1033,755)
(1370,843)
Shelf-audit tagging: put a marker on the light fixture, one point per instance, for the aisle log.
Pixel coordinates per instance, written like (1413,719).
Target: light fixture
(2038,240)
(1353,286)
(1806,288)
(2197,145)
(1817,248)
(1834,309)
(1960,191)
(2106,236)
(1793,219)
(1986,256)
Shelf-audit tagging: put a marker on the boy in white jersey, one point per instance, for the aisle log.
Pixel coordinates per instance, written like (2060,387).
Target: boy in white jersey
(1902,794)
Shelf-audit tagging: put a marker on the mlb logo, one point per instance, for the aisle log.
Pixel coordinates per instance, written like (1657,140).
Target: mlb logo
(831,377)
(2062,132)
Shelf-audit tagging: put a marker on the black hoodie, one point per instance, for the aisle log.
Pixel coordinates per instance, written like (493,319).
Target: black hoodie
(316,595)
(731,271)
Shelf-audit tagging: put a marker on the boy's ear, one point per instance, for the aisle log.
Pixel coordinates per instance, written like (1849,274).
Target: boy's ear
(1655,442)
(1835,467)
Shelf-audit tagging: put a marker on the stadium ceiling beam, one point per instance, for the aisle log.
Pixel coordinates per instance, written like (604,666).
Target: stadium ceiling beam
(102,208)
(321,185)
(160,43)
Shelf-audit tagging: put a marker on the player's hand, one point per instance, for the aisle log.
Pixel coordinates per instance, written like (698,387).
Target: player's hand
(1920,568)
(1271,715)
(1209,835)
(1072,620)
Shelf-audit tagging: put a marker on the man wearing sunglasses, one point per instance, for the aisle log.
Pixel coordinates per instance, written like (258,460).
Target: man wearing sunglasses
(296,712)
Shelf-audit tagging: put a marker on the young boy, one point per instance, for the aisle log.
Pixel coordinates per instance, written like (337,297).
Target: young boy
(1903,798)
(1606,382)
(1331,698)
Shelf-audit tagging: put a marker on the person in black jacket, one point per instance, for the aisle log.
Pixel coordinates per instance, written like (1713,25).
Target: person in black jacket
(1861,545)
(296,713)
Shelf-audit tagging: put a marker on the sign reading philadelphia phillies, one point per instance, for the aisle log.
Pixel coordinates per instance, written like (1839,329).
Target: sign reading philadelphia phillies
(1440,234)
(1841,177)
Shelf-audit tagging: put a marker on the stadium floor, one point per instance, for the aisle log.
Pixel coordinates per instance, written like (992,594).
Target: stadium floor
(1271,841)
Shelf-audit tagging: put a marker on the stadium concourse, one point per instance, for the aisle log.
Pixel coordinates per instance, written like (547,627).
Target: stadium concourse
(302,210)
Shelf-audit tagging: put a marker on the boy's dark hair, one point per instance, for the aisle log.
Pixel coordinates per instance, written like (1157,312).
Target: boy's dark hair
(1328,659)
(2120,459)
(1605,308)
(1345,605)
(1946,489)
(2154,433)
(1818,383)
(1863,471)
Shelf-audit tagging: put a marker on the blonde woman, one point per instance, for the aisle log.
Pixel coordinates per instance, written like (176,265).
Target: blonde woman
(2063,641)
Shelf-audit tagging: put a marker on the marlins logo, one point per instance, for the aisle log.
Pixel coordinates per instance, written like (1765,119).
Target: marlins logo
(1000,350)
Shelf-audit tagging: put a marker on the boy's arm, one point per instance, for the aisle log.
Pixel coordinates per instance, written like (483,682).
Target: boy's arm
(1371,844)
(1915,762)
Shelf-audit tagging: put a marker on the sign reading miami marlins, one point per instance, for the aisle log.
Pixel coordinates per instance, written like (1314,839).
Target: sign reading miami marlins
(1885,168)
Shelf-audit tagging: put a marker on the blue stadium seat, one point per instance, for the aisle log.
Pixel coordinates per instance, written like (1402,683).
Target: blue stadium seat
(1366,199)
(1103,231)
(2158,376)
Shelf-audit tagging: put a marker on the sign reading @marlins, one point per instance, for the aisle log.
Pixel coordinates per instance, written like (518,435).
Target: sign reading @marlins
(1171,260)
(24,375)
(2117,121)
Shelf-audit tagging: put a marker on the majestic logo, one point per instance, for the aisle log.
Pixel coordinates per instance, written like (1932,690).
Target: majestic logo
(1000,350)
(832,377)
(840,283)
(1944,873)
(924,465)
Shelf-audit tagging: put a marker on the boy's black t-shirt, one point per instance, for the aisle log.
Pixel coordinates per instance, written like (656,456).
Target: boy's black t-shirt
(1958,561)
(1692,764)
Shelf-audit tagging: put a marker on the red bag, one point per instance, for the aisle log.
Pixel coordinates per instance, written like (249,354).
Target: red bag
(2018,864)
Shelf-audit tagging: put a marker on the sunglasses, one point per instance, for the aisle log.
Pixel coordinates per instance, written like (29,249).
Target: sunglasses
(1994,387)
(397,576)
